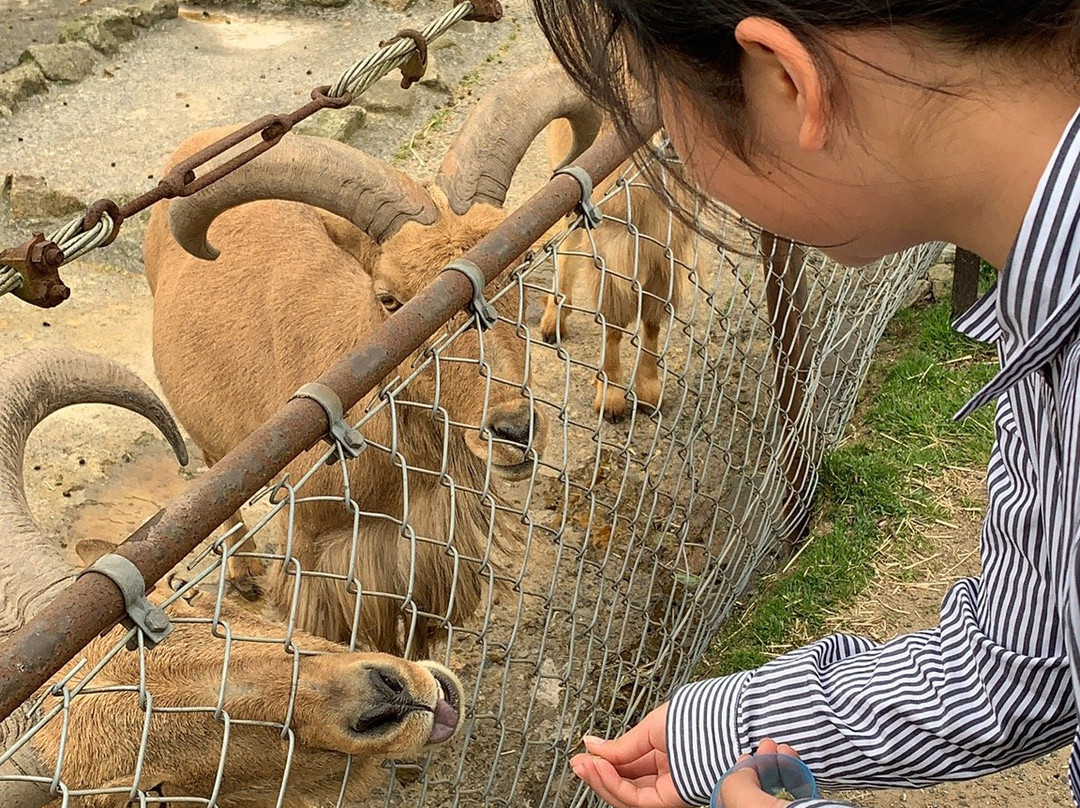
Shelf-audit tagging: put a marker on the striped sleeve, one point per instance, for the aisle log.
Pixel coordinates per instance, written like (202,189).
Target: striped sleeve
(703,735)
(937,705)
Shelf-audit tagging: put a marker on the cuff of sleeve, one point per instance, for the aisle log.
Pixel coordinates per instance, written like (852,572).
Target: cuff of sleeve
(703,734)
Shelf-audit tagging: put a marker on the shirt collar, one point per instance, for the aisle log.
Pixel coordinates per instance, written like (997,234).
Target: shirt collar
(1035,307)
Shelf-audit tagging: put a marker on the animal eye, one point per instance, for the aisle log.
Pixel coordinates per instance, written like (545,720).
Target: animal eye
(389,302)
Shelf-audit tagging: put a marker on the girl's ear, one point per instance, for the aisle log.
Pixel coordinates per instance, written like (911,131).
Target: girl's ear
(790,70)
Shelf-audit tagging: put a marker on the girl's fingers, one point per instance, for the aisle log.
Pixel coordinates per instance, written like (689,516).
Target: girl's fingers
(639,740)
(766,747)
(651,763)
(784,749)
(741,788)
(615,790)
(624,749)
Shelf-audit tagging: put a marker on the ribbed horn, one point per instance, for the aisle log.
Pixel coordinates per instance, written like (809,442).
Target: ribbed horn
(34,384)
(485,154)
(372,195)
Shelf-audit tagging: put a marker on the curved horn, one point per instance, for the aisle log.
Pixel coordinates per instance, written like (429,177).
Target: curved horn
(35,384)
(486,152)
(329,175)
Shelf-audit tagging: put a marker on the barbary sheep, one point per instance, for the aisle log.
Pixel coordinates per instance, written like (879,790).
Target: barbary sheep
(315,243)
(368,705)
(632,264)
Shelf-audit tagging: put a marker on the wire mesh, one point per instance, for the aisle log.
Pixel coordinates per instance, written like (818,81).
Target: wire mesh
(571,569)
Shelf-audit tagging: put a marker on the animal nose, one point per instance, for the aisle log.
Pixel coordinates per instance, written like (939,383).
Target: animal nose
(387,684)
(516,426)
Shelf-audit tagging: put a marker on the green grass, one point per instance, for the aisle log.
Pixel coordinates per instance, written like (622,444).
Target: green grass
(873,487)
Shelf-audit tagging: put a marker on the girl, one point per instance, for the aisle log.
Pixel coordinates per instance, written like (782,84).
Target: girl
(864,127)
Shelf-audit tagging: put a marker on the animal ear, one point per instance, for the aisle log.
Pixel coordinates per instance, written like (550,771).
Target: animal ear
(351,239)
(90,550)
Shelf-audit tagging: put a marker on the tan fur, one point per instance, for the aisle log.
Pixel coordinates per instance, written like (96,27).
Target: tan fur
(627,262)
(183,746)
(293,291)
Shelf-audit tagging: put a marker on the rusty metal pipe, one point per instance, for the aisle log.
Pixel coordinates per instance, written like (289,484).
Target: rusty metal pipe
(93,604)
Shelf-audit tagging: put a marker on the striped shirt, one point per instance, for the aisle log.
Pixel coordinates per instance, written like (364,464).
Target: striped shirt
(996,682)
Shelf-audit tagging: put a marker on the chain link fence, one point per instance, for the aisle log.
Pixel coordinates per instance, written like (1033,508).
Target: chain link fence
(584,564)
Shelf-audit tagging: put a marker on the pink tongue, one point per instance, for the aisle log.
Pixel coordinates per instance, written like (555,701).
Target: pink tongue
(446,721)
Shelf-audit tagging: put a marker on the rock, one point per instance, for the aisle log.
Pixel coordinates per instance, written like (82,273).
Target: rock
(324,3)
(445,42)
(921,292)
(433,76)
(64,63)
(31,199)
(152,11)
(386,95)
(941,280)
(398,5)
(104,30)
(19,83)
(337,124)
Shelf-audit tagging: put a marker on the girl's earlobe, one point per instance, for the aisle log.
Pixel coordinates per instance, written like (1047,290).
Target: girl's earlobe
(801,73)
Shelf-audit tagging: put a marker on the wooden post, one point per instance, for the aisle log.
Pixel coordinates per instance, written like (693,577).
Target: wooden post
(785,297)
(965,288)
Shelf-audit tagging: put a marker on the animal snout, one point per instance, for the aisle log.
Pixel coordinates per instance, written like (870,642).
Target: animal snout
(518,425)
(387,704)
(388,684)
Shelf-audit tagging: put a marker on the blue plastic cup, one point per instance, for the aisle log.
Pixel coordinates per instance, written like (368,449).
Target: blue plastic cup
(776,773)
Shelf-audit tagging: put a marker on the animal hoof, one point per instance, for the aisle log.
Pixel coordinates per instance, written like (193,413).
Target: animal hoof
(244,575)
(552,325)
(612,406)
(648,395)
(248,588)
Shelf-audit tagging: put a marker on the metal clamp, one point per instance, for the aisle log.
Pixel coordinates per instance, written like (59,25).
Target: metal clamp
(151,620)
(589,212)
(483,312)
(339,433)
(414,67)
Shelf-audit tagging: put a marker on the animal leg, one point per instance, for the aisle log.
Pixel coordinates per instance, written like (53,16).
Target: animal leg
(556,308)
(647,385)
(245,573)
(610,397)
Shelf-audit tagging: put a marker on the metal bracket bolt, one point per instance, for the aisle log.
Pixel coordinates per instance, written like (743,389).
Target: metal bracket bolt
(483,312)
(37,260)
(414,67)
(339,433)
(589,212)
(151,620)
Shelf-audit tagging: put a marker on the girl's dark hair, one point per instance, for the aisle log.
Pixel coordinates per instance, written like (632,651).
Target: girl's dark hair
(691,43)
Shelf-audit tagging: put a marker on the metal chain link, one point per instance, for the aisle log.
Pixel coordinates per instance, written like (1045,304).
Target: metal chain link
(75,241)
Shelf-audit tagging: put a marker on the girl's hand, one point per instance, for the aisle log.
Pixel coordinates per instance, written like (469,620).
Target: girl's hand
(742,789)
(632,770)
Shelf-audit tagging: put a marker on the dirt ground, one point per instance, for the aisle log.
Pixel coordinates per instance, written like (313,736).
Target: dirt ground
(96,473)
(905,597)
